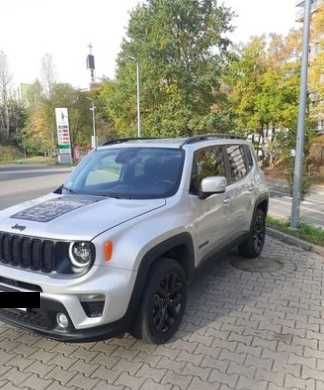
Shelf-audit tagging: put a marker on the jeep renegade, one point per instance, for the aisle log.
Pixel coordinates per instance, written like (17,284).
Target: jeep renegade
(114,248)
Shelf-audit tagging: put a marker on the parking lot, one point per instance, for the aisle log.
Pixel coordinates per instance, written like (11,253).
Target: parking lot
(249,325)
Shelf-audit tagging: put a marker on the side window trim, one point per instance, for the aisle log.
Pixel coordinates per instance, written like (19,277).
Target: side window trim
(231,179)
(206,148)
(248,158)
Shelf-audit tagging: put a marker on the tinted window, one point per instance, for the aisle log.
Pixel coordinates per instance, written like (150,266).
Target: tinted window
(137,173)
(237,164)
(207,162)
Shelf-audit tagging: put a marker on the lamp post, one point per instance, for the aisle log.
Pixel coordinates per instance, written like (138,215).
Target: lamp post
(139,132)
(138,96)
(94,136)
(299,159)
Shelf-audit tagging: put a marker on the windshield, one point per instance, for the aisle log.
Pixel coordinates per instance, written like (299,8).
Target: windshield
(137,173)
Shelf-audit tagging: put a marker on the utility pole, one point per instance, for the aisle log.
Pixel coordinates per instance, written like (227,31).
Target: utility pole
(138,95)
(299,155)
(138,100)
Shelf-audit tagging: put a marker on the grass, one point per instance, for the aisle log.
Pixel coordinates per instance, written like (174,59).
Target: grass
(306,232)
(10,154)
(30,160)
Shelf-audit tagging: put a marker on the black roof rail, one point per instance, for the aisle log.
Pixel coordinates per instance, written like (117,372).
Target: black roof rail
(206,137)
(122,140)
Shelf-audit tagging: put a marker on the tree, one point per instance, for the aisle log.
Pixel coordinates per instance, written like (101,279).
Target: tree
(5,79)
(263,89)
(40,130)
(181,48)
(316,70)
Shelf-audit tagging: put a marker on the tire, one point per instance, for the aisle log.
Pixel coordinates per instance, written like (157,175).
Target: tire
(164,302)
(253,247)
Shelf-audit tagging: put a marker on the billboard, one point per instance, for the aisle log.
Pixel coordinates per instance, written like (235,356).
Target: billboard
(63,136)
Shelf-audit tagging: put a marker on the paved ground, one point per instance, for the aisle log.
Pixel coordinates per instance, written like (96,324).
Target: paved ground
(243,330)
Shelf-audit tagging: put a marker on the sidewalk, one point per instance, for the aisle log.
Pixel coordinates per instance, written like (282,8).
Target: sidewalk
(312,207)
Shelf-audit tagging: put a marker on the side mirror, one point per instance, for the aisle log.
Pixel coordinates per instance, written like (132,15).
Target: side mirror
(58,190)
(213,185)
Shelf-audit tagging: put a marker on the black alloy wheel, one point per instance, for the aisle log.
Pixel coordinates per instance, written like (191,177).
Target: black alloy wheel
(164,302)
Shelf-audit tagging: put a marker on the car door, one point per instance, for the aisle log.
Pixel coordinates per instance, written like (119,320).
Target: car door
(210,218)
(238,197)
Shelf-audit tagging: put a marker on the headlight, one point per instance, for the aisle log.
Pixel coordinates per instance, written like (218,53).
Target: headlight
(82,253)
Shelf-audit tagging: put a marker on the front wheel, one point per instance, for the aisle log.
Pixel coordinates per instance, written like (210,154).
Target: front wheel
(253,247)
(164,302)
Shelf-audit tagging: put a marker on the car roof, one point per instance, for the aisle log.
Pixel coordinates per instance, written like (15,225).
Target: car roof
(197,142)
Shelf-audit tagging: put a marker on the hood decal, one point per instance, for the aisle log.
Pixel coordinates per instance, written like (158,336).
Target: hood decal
(54,208)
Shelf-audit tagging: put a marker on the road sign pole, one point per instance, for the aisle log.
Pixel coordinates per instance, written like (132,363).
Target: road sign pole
(299,159)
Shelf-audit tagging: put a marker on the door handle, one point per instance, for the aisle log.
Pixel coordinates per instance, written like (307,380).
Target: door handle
(250,187)
(227,201)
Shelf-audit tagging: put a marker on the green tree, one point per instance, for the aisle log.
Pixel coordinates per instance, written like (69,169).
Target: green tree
(263,82)
(182,49)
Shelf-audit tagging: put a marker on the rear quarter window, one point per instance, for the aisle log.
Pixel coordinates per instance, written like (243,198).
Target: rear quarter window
(237,162)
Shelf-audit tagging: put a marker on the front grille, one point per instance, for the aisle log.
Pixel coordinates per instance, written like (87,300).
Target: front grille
(32,317)
(42,318)
(4,282)
(33,253)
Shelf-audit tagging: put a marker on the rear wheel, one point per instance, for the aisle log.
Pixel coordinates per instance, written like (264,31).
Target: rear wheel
(253,247)
(164,302)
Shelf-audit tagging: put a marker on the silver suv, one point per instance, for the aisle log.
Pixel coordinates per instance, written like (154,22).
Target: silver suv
(114,248)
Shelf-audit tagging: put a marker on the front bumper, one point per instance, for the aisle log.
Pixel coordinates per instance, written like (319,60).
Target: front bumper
(63,295)
(43,321)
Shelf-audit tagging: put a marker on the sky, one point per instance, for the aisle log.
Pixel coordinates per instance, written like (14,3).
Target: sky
(64,28)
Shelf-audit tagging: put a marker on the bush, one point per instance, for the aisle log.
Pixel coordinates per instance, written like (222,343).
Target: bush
(9,153)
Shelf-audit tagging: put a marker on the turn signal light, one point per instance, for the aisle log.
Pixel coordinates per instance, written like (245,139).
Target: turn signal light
(108,250)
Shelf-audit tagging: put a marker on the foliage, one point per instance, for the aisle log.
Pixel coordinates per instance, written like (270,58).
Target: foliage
(181,49)
(306,232)
(40,130)
(9,153)
(316,70)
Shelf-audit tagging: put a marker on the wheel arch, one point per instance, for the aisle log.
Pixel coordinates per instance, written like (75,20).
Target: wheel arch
(180,248)
(262,203)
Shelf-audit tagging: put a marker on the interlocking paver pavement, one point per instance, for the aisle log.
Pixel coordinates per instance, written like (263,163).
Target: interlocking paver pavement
(247,327)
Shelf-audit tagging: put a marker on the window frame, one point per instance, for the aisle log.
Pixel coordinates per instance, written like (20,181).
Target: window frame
(222,147)
(231,179)
(248,155)
(131,196)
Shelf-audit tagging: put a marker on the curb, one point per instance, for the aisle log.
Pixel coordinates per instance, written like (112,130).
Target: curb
(295,241)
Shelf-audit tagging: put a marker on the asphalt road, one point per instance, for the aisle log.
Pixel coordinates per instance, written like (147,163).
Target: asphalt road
(19,183)
(312,208)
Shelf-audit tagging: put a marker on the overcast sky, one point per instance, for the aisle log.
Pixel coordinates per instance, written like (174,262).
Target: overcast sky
(30,28)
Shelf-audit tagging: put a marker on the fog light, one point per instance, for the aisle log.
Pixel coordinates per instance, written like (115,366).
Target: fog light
(62,320)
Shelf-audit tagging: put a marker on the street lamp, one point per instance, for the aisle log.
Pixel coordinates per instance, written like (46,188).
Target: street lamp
(94,136)
(138,98)
(299,159)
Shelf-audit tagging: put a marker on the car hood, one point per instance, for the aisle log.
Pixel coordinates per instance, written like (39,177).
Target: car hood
(73,217)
